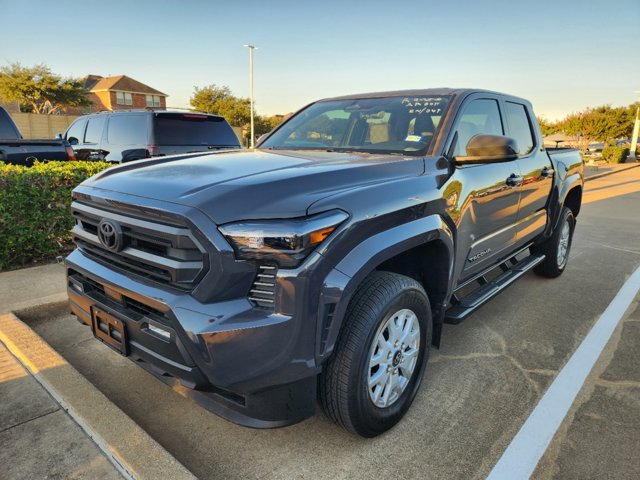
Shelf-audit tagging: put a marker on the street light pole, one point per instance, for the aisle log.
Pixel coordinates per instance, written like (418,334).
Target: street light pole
(636,131)
(251,49)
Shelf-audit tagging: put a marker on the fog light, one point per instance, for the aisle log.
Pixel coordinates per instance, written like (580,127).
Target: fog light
(160,331)
(76,286)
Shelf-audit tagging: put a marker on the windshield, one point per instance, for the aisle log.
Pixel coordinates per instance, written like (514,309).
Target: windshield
(398,124)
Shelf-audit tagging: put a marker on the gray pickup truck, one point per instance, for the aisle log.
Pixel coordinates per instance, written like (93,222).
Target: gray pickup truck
(323,263)
(17,151)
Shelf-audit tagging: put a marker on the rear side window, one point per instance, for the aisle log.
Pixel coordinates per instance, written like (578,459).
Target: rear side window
(520,127)
(6,127)
(7,131)
(76,131)
(191,129)
(94,130)
(128,130)
(481,116)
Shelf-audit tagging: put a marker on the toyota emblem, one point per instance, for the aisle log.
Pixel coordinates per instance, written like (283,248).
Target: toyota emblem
(110,235)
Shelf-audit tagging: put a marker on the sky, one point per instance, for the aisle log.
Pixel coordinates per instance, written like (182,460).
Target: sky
(561,55)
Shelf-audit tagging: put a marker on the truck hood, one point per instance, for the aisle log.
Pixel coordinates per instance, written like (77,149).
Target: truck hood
(254,184)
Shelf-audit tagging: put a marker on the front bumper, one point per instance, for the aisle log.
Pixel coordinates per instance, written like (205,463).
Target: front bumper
(249,365)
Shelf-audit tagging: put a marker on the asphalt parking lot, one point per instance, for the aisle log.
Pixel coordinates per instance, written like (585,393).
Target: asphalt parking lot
(479,387)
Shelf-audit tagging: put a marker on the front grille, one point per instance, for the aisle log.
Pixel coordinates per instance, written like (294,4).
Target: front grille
(142,309)
(263,289)
(120,302)
(164,253)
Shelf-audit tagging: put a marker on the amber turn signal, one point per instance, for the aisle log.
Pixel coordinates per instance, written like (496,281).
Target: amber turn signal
(319,235)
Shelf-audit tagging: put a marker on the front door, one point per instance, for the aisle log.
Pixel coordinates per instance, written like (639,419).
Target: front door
(90,147)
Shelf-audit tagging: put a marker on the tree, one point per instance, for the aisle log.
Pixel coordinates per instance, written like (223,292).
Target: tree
(547,127)
(264,124)
(603,123)
(220,101)
(39,90)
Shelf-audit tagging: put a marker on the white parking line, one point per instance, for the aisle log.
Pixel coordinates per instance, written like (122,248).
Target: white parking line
(522,455)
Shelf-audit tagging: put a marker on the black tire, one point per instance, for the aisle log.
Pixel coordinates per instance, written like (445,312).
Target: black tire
(553,266)
(344,382)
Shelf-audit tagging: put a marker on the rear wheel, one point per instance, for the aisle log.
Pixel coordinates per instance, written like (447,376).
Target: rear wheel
(377,367)
(556,249)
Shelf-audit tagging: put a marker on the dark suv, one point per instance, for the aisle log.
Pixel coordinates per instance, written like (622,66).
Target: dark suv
(132,135)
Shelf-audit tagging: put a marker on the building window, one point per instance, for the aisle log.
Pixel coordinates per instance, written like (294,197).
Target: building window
(124,98)
(153,101)
(88,108)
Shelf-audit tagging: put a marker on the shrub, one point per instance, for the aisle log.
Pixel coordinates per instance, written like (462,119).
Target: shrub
(35,219)
(615,154)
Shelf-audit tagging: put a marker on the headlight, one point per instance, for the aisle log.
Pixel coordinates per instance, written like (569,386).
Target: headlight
(287,242)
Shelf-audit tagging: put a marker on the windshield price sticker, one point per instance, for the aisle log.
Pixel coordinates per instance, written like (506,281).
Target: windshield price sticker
(420,105)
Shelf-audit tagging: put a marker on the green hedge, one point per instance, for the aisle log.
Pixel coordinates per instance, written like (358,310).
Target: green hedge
(35,221)
(615,154)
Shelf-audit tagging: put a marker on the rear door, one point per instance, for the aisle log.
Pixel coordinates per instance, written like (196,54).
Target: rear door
(189,132)
(535,167)
(489,193)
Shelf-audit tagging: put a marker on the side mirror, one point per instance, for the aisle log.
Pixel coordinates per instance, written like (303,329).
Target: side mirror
(490,149)
(72,141)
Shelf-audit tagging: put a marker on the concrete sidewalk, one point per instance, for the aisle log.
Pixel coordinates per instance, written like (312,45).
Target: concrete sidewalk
(53,422)
(593,171)
(38,439)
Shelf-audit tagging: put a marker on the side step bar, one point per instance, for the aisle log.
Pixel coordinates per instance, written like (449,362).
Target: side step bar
(465,306)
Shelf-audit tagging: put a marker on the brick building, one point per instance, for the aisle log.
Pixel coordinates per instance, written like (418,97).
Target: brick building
(122,93)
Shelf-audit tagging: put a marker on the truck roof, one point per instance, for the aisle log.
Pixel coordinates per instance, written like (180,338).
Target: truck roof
(418,92)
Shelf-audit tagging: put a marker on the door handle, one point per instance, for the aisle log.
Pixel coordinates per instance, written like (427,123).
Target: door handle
(514,180)
(547,172)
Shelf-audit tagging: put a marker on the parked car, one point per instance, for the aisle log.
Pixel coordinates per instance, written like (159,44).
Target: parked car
(327,260)
(595,147)
(626,142)
(18,151)
(132,135)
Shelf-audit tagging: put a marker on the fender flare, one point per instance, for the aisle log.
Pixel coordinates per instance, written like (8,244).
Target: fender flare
(558,197)
(343,280)
(571,182)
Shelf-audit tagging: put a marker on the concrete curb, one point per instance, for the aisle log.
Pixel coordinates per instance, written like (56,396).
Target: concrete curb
(133,452)
(600,175)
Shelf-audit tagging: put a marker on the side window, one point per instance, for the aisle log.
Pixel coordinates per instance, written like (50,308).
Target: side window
(94,130)
(76,131)
(479,116)
(127,130)
(327,128)
(520,127)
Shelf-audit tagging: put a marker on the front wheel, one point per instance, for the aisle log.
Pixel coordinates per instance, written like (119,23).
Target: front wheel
(377,367)
(556,248)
